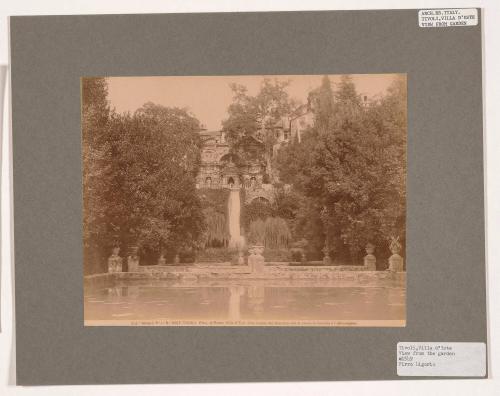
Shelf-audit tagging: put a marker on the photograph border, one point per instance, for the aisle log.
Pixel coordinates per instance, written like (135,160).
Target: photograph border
(445,222)
(108,273)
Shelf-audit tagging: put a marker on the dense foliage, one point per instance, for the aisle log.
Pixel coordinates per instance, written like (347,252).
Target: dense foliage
(351,167)
(215,213)
(95,148)
(255,210)
(273,232)
(252,120)
(342,186)
(139,178)
(216,233)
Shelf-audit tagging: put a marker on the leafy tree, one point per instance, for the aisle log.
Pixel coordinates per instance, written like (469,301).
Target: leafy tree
(158,160)
(321,102)
(346,94)
(351,164)
(285,205)
(253,120)
(138,178)
(257,209)
(95,116)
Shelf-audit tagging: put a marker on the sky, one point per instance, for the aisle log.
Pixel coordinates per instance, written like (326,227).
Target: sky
(208,97)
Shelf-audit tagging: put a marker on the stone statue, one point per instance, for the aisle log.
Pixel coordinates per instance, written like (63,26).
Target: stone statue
(241,258)
(370,260)
(256,260)
(395,261)
(298,250)
(133,259)
(115,262)
(251,258)
(326,251)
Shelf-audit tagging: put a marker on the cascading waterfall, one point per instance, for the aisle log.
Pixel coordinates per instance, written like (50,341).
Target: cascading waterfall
(234,207)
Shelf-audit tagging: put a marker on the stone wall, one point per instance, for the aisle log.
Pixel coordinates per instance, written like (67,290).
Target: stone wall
(273,275)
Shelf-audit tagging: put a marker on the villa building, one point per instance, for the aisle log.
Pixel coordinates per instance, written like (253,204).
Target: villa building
(220,168)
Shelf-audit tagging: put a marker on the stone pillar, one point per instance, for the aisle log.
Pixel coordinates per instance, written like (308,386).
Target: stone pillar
(395,261)
(115,262)
(133,259)
(370,260)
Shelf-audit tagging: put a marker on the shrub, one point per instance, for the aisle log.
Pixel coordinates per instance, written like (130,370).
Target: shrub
(255,210)
(278,255)
(277,233)
(274,233)
(216,255)
(216,232)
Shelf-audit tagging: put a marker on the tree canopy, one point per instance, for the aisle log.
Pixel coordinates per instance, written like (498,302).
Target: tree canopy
(342,185)
(255,118)
(351,166)
(139,176)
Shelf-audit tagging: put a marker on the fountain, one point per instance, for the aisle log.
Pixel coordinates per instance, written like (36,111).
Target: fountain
(234,207)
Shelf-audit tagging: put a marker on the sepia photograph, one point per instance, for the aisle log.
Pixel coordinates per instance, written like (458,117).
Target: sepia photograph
(275,200)
(249,197)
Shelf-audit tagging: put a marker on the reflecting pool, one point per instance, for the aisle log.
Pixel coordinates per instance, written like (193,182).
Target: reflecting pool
(247,304)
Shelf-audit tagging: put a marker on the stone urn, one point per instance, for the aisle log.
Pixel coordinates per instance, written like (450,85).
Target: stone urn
(326,259)
(133,259)
(370,260)
(115,262)
(162,260)
(259,249)
(395,261)
(241,258)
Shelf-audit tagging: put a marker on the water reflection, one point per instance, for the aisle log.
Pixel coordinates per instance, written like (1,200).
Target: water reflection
(235,301)
(256,299)
(240,302)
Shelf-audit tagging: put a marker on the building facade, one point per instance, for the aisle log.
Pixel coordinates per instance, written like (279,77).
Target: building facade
(221,169)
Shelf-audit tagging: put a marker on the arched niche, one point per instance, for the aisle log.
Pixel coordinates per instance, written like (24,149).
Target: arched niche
(260,199)
(229,158)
